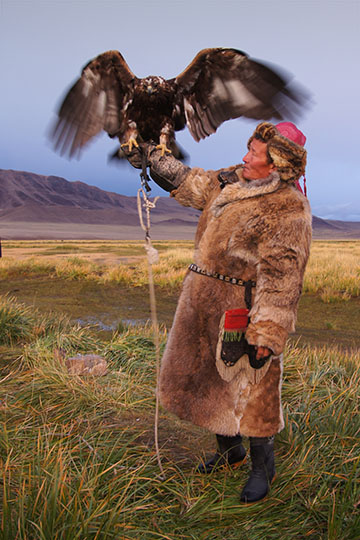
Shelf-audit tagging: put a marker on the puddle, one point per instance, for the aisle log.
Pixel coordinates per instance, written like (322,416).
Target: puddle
(95,321)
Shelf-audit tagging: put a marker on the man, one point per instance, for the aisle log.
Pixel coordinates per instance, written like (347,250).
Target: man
(251,248)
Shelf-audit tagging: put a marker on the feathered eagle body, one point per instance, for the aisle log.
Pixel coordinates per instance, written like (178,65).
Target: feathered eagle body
(156,96)
(219,84)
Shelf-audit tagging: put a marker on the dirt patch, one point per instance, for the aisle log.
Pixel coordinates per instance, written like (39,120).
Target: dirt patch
(81,231)
(336,323)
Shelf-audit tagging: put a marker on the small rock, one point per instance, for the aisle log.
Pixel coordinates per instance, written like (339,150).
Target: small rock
(86,364)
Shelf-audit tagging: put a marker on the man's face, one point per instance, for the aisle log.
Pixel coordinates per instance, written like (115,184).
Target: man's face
(256,164)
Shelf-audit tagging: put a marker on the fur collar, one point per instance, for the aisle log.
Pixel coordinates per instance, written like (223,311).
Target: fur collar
(245,189)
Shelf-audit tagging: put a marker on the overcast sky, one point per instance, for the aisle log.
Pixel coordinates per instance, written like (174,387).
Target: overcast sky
(45,43)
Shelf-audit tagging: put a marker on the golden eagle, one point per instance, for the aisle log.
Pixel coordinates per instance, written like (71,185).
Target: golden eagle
(219,84)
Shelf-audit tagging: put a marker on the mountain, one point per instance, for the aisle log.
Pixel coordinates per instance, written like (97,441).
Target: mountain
(38,200)
(29,197)
(333,229)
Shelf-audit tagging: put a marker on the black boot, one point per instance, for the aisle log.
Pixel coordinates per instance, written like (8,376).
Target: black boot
(230,452)
(263,469)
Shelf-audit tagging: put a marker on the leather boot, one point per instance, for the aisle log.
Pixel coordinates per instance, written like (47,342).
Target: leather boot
(230,452)
(263,469)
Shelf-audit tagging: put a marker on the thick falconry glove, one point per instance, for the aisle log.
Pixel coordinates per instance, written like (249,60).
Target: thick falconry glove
(167,171)
(231,351)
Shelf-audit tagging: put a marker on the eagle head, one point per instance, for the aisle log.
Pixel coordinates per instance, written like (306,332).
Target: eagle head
(152,84)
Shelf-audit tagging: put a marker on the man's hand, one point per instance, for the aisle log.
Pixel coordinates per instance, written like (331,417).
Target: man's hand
(262,352)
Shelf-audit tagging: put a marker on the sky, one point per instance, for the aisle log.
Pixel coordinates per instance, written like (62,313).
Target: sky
(45,43)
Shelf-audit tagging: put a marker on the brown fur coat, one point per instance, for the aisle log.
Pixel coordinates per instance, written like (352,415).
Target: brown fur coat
(258,230)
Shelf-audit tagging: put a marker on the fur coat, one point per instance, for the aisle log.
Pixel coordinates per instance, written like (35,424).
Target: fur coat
(258,230)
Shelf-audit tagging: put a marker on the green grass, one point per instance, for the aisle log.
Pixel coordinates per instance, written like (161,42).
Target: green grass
(77,456)
(15,321)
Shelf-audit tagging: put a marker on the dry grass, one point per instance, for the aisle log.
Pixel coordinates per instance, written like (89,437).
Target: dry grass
(333,271)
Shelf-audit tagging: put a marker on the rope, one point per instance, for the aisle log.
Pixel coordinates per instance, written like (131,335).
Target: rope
(152,257)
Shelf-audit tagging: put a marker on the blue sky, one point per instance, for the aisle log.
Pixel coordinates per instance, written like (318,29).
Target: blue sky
(45,43)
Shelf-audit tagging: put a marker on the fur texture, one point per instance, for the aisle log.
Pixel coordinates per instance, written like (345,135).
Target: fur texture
(259,230)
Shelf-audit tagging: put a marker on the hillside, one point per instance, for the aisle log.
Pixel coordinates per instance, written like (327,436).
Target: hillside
(29,197)
(37,206)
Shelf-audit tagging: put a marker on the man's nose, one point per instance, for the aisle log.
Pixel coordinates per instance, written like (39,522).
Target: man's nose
(245,158)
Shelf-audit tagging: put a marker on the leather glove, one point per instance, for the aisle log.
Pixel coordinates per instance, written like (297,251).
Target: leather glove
(167,171)
(138,157)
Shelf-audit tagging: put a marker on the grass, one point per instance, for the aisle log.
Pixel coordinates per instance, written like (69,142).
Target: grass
(333,271)
(168,273)
(15,321)
(78,461)
(77,458)
(104,284)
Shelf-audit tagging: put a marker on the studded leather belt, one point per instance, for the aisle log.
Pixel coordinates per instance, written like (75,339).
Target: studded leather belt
(234,281)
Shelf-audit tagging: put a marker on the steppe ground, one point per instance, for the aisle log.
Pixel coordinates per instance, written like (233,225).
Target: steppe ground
(77,455)
(328,310)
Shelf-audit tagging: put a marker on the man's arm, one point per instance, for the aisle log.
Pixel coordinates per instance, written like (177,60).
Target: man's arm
(283,255)
(190,186)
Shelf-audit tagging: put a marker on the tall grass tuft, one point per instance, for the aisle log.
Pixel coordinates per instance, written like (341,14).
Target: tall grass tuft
(16,321)
(76,268)
(12,268)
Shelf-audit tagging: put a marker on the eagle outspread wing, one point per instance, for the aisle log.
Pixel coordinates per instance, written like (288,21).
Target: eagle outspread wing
(219,84)
(97,101)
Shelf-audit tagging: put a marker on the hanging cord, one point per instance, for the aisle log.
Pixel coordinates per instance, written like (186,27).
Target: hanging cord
(152,257)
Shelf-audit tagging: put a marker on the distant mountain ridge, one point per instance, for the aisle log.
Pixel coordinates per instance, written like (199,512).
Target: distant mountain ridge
(30,197)
(18,188)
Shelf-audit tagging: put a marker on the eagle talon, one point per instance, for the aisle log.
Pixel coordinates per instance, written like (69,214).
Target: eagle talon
(130,143)
(163,149)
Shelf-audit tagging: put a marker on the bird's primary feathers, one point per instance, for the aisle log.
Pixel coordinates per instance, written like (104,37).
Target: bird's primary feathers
(219,84)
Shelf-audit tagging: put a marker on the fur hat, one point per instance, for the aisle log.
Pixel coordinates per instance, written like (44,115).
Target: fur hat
(288,157)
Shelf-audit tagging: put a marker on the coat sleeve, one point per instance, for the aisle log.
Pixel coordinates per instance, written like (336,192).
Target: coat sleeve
(190,187)
(283,253)
(196,188)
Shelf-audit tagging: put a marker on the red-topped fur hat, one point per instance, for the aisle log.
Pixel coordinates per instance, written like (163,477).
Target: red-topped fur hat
(285,148)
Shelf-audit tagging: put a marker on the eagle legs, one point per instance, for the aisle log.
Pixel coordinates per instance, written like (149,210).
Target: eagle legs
(166,138)
(132,134)
(129,138)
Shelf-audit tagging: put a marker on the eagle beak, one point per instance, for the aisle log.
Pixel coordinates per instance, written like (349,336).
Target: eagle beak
(150,90)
